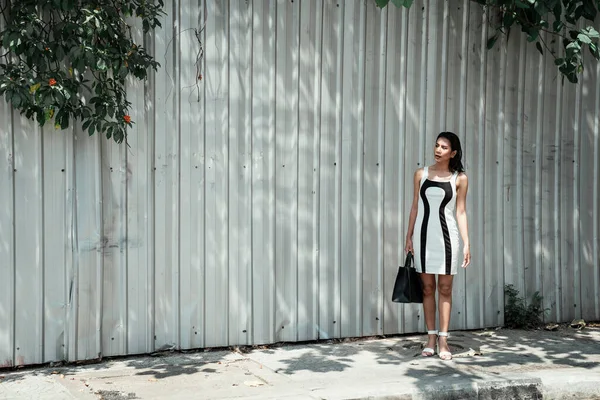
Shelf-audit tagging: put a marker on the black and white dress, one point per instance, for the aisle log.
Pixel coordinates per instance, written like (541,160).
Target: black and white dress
(435,238)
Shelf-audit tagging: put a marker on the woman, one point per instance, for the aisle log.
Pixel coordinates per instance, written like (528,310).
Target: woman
(433,234)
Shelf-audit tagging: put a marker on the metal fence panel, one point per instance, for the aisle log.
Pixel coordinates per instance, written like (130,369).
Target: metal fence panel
(267,199)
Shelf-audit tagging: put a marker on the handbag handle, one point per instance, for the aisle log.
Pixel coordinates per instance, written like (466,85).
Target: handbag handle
(408,262)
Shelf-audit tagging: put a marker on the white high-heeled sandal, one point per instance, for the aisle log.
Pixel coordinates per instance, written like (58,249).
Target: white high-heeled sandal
(428,351)
(444,355)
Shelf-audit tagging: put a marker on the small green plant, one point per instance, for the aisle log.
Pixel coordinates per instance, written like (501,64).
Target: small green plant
(518,314)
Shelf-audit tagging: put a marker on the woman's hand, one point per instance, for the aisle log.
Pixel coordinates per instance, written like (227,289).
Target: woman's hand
(408,247)
(467,256)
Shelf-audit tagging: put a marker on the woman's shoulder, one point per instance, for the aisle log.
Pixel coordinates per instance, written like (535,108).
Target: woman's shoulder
(462,178)
(419,173)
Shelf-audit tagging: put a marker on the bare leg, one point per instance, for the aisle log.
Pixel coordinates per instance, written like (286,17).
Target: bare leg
(445,305)
(429,306)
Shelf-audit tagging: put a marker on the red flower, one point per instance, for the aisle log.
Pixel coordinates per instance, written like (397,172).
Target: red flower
(127,119)
(52,82)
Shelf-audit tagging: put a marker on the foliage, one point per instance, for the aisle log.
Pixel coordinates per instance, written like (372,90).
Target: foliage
(518,314)
(544,21)
(397,3)
(64,60)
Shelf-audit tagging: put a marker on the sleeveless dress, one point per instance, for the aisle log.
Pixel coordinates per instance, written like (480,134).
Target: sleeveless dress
(435,237)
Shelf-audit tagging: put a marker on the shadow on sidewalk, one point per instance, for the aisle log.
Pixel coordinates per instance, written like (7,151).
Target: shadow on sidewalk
(477,355)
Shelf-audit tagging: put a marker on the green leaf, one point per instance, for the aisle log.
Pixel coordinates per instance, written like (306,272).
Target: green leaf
(381,3)
(572,50)
(16,100)
(539,47)
(101,111)
(34,88)
(41,117)
(49,113)
(583,38)
(64,121)
(5,40)
(559,61)
(101,64)
(86,124)
(566,69)
(508,19)
(540,8)
(589,10)
(492,41)
(557,11)
(533,35)
(521,4)
(579,12)
(119,135)
(591,32)
(10,40)
(60,53)
(594,51)
(558,26)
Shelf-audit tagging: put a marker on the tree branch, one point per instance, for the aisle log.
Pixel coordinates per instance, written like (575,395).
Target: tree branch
(546,46)
(5,8)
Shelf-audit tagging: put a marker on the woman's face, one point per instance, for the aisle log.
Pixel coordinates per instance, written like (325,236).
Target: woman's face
(443,151)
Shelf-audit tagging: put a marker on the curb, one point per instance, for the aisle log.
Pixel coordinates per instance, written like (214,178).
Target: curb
(522,389)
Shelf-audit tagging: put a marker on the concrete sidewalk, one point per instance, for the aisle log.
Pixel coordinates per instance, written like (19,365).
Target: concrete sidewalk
(494,364)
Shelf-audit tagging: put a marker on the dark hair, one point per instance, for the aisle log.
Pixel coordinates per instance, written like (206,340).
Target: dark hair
(456,161)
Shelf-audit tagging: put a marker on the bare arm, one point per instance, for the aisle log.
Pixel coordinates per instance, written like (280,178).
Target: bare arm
(462,185)
(413,210)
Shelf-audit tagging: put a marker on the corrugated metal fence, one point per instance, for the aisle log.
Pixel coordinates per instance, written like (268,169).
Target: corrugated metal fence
(269,201)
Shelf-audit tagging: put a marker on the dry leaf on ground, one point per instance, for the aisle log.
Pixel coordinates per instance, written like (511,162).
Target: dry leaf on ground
(253,383)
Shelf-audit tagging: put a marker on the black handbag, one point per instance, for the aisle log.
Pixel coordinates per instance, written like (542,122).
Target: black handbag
(408,287)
